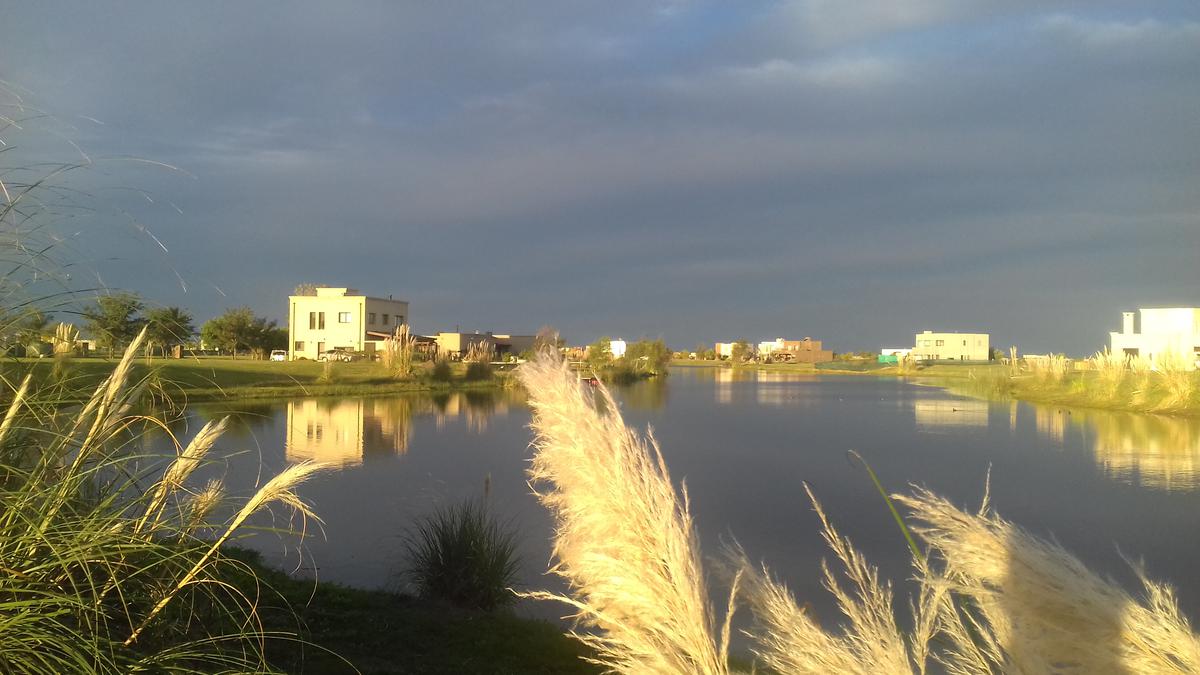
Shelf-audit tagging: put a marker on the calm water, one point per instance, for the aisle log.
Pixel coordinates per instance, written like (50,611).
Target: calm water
(1103,484)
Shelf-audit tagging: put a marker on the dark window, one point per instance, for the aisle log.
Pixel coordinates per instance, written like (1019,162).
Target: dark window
(321,320)
(940,343)
(371,318)
(385,319)
(299,346)
(312,320)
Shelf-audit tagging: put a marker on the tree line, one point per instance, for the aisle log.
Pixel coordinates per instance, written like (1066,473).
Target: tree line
(114,320)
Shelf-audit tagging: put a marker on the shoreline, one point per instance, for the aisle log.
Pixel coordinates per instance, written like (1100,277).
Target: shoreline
(1148,395)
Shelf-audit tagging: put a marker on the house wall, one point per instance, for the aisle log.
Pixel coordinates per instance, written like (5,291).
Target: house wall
(1174,330)
(336,318)
(933,346)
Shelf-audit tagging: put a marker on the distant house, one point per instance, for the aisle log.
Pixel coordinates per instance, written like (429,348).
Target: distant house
(724,350)
(341,318)
(455,345)
(617,347)
(807,350)
(1167,330)
(931,346)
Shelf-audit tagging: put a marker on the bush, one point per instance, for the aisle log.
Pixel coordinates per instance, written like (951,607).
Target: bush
(462,555)
(441,371)
(477,371)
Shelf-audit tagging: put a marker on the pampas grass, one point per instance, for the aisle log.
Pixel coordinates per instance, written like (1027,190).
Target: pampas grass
(105,554)
(991,598)
(624,539)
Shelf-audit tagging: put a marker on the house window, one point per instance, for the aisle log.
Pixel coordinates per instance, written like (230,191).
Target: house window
(940,343)
(299,347)
(321,320)
(964,343)
(371,318)
(312,320)
(385,319)
(343,317)
(399,319)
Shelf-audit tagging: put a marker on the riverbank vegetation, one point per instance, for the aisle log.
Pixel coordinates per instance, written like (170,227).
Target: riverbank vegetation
(214,378)
(992,598)
(641,359)
(112,560)
(1105,381)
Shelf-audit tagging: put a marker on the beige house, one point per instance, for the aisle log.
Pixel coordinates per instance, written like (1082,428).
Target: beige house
(340,318)
(456,345)
(1167,330)
(931,346)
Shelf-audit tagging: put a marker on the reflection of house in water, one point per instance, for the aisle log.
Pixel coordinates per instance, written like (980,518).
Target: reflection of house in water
(724,381)
(474,407)
(1050,422)
(340,432)
(937,413)
(1154,452)
(774,389)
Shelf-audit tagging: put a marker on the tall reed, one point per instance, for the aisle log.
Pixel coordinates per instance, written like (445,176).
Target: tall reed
(107,554)
(991,598)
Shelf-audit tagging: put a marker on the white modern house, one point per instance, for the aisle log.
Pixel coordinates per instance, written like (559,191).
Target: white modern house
(931,346)
(340,318)
(1161,331)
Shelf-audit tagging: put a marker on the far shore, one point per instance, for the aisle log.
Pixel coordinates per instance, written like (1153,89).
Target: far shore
(1146,393)
(223,378)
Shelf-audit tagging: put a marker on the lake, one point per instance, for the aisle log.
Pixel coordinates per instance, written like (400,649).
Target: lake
(1105,485)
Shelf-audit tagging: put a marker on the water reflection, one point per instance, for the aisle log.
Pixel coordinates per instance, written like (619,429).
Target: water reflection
(342,432)
(934,414)
(1155,452)
(1051,423)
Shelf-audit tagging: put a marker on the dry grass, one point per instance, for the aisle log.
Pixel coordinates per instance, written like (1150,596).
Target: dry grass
(624,540)
(992,598)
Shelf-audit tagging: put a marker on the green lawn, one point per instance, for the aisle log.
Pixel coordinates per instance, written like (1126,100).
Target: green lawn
(348,630)
(207,378)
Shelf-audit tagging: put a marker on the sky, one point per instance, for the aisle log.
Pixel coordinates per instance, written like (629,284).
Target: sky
(696,171)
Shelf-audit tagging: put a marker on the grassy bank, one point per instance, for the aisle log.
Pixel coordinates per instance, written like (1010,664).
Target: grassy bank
(1124,389)
(347,630)
(208,378)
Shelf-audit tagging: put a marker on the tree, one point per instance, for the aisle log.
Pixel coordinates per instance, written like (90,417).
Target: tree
(167,327)
(307,289)
(599,353)
(239,328)
(740,351)
(648,356)
(113,322)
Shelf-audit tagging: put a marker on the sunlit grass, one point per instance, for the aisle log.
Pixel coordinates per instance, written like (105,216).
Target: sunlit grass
(107,556)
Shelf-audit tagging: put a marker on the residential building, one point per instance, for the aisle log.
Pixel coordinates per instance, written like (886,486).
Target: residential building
(724,350)
(341,318)
(456,344)
(1163,331)
(807,350)
(931,346)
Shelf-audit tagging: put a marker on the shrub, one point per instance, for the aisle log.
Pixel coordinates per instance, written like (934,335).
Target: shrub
(462,555)
(478,371)
(441,371)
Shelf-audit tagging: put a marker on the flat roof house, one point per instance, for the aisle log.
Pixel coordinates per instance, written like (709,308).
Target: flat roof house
(340,318)
(931,346)
(1164,330)
(807,350)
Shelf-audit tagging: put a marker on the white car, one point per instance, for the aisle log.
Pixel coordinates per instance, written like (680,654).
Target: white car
(278,355)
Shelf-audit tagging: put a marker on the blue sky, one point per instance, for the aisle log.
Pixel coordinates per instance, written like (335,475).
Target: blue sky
(698,171)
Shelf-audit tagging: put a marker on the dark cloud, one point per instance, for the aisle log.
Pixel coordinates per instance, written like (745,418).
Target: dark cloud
(851,171)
